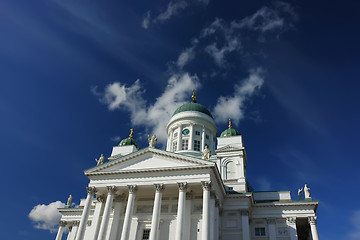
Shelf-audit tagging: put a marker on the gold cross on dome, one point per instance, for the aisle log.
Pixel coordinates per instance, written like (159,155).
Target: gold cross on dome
(230,126)
(193,97)
(131,133)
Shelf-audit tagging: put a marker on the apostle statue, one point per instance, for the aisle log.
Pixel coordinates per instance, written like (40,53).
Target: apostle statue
(152,140)
(206,153)
(69,201)
(300,193)
(307,192)
(100,160)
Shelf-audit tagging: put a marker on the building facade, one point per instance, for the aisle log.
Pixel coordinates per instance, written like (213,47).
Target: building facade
(195,189)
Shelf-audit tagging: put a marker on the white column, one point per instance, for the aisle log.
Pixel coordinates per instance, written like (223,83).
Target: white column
(70,226)
(180,211)
(170,140)
(156,212)
(203,139)
(245,225)
(115,226)
(61,230)
(191,138)
(179,145)
(272,228)
(187,217)
(128,213)
(291,222)
(93,232)
(314,231)
(205,214)
(217,219)
(74,230)
(106,215)
(85,214)
(212,217)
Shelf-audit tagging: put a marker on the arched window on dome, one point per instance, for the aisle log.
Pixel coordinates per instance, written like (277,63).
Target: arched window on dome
(230,170)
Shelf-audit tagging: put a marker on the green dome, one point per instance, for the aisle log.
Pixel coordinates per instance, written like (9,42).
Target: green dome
(129,141)
(229,133)
(193,106)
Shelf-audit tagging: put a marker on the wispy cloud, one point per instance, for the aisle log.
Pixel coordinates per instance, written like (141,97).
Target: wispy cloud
(173,8)
(46,217)
(153,116)
(233,106)
(355,222)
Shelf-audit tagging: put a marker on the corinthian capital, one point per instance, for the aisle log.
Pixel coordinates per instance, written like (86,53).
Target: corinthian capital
(291,220)
(206,185)
(182,186)
(111,189)
(132,188)
(62,223)
(312,219)
(91,190)
(159,187)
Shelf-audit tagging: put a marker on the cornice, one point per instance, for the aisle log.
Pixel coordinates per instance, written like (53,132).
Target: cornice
(113,161)
(288,204)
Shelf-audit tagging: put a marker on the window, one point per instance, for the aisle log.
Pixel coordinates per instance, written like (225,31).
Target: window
(175,135)
(197,133)
(185,144)
(260,231)
(230,170)
(196,145)
(175,146)
(146,234)
(207,136)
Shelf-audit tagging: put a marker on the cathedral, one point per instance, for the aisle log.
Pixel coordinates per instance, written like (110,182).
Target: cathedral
(195,189)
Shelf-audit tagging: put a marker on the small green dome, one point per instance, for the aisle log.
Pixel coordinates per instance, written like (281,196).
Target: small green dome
(193,106)
(230,131)
(129,141)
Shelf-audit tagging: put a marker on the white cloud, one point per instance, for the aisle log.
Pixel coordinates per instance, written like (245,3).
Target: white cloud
(155,116)
(172,8)
(185,57)
(355,222)
(46,217)
(146,20)
(233,106)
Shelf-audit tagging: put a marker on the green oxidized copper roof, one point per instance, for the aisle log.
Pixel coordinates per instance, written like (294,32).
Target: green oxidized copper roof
(129,141)
(193,106)
(230,131)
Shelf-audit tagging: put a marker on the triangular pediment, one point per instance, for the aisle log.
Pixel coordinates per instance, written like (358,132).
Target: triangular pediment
(228,148)
(148,159)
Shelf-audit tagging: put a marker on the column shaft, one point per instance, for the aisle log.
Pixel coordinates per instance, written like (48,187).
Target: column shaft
(85,214)
(291,222)
(180,211)
(156,212)
(106,215)
(191,138)
(128,213)
(314,231)
(205,214)
(61,230)
(245,225)
(203,139)
(179,144)
(115,226)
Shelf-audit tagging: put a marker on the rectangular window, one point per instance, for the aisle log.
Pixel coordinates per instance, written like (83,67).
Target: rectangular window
(207,136)
(185,144)
(146,234)
(196,145)
(260,231)
(197,133)
(175,135)
(174,146)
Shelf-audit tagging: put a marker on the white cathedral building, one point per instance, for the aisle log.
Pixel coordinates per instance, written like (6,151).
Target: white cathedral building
(195,189)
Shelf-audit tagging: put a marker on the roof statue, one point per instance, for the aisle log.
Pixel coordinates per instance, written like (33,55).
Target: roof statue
(100,160)
(69,201)
(300,193)
(206,153)
(152,140)
(307,192)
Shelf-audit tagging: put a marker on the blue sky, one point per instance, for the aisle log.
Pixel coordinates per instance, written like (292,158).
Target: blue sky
(75,76)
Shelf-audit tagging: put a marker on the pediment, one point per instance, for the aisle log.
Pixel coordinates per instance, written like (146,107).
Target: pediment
(148,159)
(229,148)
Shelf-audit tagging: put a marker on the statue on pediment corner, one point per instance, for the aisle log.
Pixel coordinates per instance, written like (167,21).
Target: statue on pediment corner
(152,140)
(100,160)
